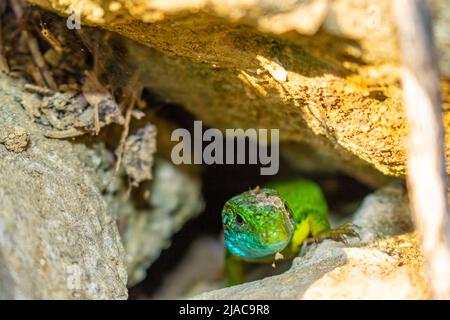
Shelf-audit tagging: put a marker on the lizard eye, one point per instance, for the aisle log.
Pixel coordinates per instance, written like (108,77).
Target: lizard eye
(239,219)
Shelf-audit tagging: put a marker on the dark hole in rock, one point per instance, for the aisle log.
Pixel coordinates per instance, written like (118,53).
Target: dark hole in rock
(221,182)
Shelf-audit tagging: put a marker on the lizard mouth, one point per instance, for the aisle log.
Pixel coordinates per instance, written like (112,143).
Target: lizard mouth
(268,250)
(254,249)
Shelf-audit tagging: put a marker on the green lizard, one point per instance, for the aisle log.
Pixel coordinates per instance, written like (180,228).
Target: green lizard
(262,222)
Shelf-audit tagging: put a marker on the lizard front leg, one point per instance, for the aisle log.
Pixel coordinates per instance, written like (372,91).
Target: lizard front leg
(340,234)
(234,269)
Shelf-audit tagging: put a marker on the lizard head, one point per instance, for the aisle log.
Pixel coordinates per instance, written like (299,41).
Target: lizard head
(257,223)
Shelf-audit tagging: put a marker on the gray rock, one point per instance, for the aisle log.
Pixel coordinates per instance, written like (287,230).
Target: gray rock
(386,264)
(58,239)
(174,198)
(200,270)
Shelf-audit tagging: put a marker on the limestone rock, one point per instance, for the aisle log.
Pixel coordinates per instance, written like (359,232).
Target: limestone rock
(339,89)
(58,239)
(138,154)
(200,270)
(387,264)
(174,198)
(168,202)
(14,138)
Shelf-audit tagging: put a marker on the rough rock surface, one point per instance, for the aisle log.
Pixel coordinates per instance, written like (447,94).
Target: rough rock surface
(200,270)
(338,90)
(73,176)
(386,264)
(174,198)
(58,239)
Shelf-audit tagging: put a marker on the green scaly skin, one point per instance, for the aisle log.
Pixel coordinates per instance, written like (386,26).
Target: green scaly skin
(276,219)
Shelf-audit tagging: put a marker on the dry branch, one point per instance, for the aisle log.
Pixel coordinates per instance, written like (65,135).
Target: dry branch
(33,47)
(3,63)
(426,174)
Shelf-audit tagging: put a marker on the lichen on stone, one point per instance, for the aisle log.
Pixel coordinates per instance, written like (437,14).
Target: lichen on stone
(14,138)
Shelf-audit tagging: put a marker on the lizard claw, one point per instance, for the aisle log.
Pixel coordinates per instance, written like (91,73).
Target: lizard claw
(340,234)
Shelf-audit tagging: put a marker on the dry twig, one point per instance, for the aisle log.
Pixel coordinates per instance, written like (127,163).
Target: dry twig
(427,176)
(125,131)
(134,97)
(3,63)
(34,48)
(43,91)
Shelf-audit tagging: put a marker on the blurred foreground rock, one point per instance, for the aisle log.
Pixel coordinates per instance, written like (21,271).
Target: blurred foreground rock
(386,264)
